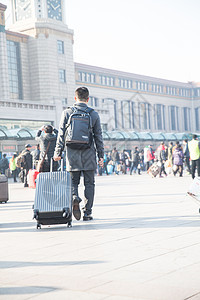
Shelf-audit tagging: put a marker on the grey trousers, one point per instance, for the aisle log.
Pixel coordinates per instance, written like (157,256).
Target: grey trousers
(89,183)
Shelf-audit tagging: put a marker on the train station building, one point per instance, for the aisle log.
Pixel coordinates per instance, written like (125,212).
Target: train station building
(39,76)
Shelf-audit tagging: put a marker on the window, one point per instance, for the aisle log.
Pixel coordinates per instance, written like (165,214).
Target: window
(107,80)
(197,118)
(93,101)
(159,111)
(174,117)
(126,114)
(143,86)
(186,118)
(159,116)
(133,115)
(62,76)
(86,77)
(14,70)
(125,83)
(64,101)
(104,127)
(60,47)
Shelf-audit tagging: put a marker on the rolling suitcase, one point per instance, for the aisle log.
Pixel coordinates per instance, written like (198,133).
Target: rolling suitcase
(53,198)
(32,174)
(154,170)
(3,188)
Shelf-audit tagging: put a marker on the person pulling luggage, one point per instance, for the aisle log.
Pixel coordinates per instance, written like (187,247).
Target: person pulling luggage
(80,131)
(47,144)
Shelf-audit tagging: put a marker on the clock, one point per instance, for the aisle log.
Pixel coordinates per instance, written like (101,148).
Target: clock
(54,9)
(22,9)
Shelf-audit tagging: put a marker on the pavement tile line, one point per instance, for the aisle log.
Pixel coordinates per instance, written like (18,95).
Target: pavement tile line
(149,258)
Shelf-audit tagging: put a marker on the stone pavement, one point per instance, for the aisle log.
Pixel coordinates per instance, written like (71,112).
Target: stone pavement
(144,243)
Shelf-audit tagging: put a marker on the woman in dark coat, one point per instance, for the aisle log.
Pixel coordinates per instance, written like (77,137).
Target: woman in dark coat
(178,160)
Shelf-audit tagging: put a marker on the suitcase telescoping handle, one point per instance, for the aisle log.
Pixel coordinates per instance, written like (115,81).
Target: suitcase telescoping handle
(52,161)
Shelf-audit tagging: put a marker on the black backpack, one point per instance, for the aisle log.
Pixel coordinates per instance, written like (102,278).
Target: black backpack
(79,134)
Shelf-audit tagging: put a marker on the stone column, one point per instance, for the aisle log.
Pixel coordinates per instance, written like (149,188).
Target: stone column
(4,77)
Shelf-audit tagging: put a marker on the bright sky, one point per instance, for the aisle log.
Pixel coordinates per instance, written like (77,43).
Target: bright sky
(157,38)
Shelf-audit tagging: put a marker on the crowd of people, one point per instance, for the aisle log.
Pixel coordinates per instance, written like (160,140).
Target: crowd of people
(170,159)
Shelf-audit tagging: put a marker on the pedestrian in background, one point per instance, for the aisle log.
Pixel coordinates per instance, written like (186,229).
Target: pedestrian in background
(169,154)
(150,156)
(47,144)
(36,156)
(4,164)
(116,160)
(135,160)
(178,160)
(26,163)
(161,153)
(194,149)
(13,167)
(186,154)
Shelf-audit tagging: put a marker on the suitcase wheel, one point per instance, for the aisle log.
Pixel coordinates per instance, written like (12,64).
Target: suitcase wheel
(199,210)
(35,214)
(38,226)
(69,224)
(66,213)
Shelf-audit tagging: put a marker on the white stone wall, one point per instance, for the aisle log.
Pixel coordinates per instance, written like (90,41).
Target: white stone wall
(4,79)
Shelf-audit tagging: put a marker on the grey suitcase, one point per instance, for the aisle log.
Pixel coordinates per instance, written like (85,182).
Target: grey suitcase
(3,188)
(53,199)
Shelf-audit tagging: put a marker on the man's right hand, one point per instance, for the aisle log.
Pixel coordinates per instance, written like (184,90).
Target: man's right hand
(57,158)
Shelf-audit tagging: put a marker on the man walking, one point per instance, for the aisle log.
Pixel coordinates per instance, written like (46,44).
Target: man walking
(194,148)
(4,164)
(115,158)
(186,153)
(26,163)
(80,154)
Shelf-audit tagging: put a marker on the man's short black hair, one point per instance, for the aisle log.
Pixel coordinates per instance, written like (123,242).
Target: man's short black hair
(194,136)
(48,129)
(186,140)
(4,155)
(82,93)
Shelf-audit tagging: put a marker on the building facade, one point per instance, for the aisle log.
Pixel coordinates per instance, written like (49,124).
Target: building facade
(39,76)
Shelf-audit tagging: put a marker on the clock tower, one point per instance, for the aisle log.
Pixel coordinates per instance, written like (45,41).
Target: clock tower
(49,49)
(32,10)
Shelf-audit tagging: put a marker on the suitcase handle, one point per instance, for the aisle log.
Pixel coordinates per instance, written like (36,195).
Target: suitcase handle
(51,164)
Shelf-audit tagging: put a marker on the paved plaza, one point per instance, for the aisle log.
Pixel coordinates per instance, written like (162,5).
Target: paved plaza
(144,243)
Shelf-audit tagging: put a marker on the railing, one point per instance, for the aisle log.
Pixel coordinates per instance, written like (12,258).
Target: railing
(26,105)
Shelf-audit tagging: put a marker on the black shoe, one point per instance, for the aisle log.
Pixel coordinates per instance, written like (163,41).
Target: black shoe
(76,210)
(25,185)
(87,218)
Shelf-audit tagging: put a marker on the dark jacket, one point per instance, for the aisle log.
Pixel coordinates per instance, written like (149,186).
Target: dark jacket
(186,151)
(135,156)
(43,140)
(27,159)
(35,154)
(4,164)
(178,156)
(115,156)
(78,160)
